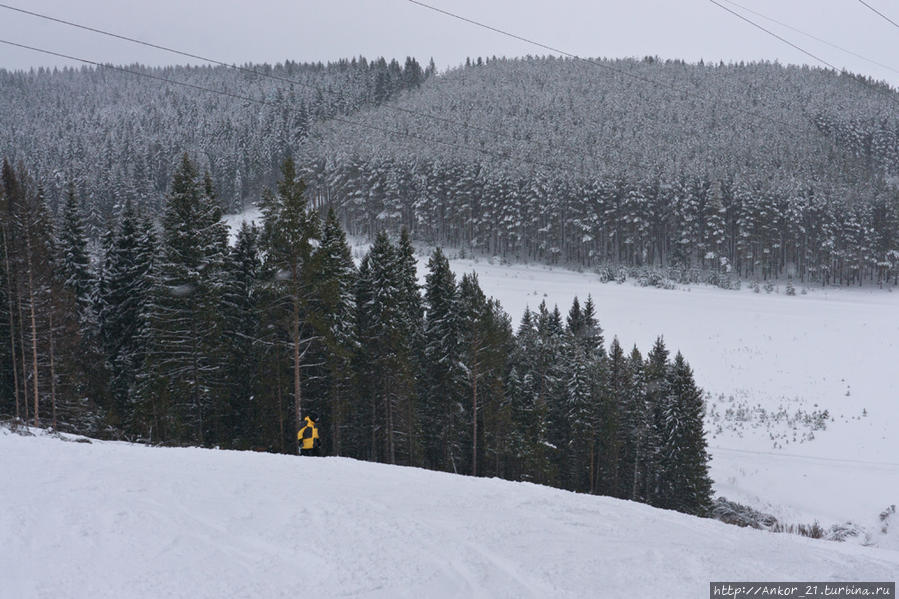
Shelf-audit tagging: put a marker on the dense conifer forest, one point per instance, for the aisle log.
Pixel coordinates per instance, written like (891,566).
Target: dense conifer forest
(172,336)
(713,172)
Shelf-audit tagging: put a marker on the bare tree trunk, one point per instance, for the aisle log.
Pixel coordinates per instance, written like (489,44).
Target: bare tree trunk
(636,474)
(336,421)
(12,328)
(474,419)
(52,374)
(31,298)
(24,362)
(297,390)
(198,404)
(280,408)
(391,447)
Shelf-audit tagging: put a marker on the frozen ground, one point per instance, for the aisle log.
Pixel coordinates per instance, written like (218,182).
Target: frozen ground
(114,520)
(771,365)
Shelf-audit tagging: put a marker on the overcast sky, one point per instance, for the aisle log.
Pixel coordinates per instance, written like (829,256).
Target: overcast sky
(312,30)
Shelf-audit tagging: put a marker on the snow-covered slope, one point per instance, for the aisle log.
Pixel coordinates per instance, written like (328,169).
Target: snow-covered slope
(771,365)
(115,520)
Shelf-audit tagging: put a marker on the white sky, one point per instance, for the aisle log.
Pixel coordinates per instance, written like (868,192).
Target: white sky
(306,30)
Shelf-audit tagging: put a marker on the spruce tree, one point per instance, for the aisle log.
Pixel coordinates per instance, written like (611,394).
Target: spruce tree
(241,322)
(74,262)
(444,380)
(615,392)
(474,330)
(337,328)
(289,234)
(182,374)
(685,484)
(656,381)
(637,422)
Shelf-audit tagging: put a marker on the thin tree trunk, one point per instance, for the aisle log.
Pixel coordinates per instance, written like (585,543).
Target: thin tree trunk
(297,390)
(280,408)
(196,381)
(391,451)
(24,355)
(636,472)
(474,418)
(31,298)
(52,375)
(12,328)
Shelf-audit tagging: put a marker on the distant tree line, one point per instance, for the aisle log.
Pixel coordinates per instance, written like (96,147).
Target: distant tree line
(741,170)
(731,228)
(173,336)
(119,136)
(753,171)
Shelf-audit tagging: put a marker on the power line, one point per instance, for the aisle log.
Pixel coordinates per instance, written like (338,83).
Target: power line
(596,63)
(244,98)
(809,35)
(895,24)
(769,32)
(805,457)
(886,93)
(126,38)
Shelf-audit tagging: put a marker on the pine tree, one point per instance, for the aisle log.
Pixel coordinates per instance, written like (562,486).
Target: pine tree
(241,323)
(10,196)
(615,391)
(411,314)
(656,381)
(289,235)
(582,410)
(685,483)
(74,262)
(474,330)
(182,373)
(636,423)
(443,408)
(337,328)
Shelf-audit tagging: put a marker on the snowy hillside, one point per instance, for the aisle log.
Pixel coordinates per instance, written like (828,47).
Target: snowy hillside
(771,364)
(114,520)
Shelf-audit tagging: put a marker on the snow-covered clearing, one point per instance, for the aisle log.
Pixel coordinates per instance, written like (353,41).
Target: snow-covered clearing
(115,520)
(771,364)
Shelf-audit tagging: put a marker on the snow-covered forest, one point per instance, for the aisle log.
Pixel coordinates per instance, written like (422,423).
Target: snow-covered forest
(119,136)
(174,337)
(750,170)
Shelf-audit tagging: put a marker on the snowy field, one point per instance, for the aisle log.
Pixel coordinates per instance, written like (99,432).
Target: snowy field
(771,364)
(114,520)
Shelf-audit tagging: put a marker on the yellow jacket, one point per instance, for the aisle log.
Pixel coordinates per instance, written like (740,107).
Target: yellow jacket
(308,435)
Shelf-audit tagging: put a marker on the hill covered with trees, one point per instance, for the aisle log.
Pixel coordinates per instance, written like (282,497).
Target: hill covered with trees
(119,136)
(754,170)
(708,171)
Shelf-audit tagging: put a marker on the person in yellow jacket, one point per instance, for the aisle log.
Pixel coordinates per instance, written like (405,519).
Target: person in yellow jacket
(307,437)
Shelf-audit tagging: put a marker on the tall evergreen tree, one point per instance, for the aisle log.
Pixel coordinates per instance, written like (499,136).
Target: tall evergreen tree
(74,262)
(656,381)
(637,427)
(443,407)
(241,322)
(685,484)
(182,373)
(337,327)
(289,234)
